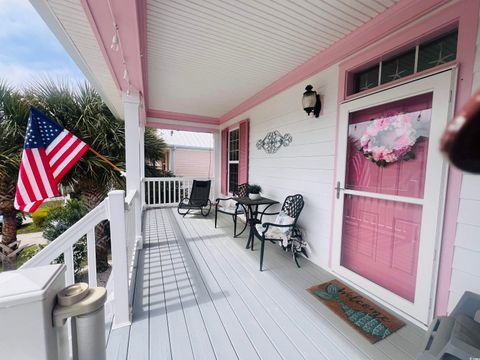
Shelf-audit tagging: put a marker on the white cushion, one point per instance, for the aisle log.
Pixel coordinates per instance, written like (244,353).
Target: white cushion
(229,205)
(279,233)
(272,233)
(284,219)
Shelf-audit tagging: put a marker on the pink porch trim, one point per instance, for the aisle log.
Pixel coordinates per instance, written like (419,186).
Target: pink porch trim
(142,39)
(131,30)
(161,114)
(89,12)
(386,23)
(465,13)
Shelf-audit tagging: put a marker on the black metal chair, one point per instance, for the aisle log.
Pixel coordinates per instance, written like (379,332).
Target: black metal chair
(198,200)
(275,232)
(242,191)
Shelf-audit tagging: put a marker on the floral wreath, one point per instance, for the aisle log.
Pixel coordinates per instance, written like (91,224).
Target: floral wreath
(389,139)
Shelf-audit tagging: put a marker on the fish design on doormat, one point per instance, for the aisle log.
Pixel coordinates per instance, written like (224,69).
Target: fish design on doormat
(364,321)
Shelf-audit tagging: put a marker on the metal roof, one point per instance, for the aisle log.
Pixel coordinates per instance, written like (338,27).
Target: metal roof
(186,139)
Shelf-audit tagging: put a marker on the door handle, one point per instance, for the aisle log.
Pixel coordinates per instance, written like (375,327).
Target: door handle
(338,189)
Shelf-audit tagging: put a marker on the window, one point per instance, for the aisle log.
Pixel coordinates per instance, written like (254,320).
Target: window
(398,67)
(437,52)
(366,79)
(233,152)
(415,59)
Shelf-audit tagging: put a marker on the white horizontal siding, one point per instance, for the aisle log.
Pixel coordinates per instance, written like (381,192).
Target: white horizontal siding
(306,166)
(465,269)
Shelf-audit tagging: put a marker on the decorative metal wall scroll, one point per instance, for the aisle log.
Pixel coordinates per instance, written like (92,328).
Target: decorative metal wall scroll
(274,141)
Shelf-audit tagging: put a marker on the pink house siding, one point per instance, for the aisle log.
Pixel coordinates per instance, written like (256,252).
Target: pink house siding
(193,163)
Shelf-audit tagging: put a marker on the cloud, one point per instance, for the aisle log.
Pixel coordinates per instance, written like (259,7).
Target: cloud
(20,76)
(20,18)
(29,51)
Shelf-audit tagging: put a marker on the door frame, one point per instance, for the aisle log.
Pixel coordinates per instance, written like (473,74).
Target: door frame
(421,310)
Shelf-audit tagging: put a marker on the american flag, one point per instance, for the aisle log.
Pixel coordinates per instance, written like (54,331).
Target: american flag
(48,153)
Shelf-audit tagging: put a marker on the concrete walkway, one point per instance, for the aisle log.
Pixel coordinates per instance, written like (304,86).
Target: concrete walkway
(32,239)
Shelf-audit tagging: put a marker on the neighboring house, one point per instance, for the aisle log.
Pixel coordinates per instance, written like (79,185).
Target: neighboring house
(189,153)
(405,234)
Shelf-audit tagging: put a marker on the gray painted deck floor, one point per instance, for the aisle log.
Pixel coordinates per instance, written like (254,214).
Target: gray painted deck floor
(199,295)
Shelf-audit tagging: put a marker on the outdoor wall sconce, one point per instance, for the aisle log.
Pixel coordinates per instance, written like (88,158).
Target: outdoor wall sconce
(311,102)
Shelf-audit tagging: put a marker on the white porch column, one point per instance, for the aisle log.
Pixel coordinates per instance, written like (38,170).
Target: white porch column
(171,159)
(142,166)
(134,154)
(216,163)
(120,270)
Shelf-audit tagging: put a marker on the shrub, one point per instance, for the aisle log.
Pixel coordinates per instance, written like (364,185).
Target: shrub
(39,217)
(28,253)
(254,189)
(59,220)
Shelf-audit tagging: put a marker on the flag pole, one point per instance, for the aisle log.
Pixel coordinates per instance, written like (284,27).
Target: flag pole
(107,161)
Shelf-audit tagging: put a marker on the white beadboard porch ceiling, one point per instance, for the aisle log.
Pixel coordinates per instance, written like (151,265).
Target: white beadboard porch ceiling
(207,56)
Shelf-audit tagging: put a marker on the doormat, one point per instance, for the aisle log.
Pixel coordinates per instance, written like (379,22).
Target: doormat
(360,313)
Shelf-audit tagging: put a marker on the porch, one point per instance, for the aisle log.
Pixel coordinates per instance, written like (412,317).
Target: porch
(198,294)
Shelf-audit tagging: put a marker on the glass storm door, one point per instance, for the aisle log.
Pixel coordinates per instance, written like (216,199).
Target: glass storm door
(390,193)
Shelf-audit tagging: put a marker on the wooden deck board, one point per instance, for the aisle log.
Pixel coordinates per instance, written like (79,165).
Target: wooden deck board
(334,345)
(199,295)
(138,342)
(268,338)
(199,340)
(240,341)
(117,346)
(280,309)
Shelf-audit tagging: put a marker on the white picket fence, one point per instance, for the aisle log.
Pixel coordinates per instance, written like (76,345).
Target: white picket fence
(123,214)
(169,191)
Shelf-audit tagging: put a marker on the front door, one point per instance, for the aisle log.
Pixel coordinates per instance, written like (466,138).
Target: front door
(390,192)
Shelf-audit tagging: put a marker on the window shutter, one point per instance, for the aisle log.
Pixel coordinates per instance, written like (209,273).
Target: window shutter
(224,160)
(243,152)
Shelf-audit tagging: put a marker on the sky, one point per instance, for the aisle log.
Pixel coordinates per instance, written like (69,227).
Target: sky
(29,52)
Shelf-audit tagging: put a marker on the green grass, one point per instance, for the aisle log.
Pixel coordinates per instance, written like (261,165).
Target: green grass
(28,228)
(32,227)
(51,204)
(25,255)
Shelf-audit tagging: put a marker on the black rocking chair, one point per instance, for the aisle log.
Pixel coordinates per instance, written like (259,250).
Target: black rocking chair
(242,191)
(273,232)
(198,200)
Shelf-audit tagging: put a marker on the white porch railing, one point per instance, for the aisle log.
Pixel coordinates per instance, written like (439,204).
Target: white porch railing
(121,212)
(169,191)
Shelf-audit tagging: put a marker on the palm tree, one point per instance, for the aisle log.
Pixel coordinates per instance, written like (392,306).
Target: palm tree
(155,148)
(13,123)
(83,112)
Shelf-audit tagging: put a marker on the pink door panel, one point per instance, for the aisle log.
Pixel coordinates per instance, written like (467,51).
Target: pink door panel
(380,242)
(380,238)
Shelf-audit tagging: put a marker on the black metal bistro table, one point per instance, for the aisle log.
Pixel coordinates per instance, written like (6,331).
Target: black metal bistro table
(252,213)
